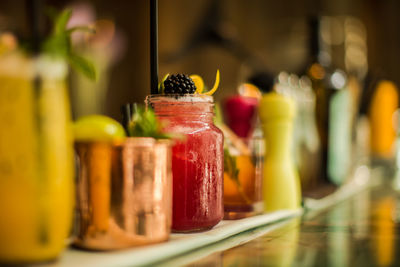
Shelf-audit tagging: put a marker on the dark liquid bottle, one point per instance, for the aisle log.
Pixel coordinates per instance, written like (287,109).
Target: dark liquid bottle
(333,113)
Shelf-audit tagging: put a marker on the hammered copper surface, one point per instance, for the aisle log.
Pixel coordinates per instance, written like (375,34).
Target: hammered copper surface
(123,193)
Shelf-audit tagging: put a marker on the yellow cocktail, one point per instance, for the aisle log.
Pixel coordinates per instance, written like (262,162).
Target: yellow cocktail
(36,160)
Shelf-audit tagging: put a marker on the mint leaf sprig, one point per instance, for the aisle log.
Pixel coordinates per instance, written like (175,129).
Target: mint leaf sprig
(230,166)
(144,123)
(232,170)
(58,44)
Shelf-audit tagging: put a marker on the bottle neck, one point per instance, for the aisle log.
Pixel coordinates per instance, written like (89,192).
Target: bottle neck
(318,51)
(314,41)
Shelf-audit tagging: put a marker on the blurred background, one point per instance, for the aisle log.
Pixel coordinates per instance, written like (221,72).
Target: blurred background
(345,116)
(237,37)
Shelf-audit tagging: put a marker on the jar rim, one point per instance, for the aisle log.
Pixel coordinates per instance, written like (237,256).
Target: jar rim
(197,98)
(129,141)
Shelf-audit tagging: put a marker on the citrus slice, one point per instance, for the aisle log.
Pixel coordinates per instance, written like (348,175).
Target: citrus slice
(161,84)
(215,87)
(97,128)
(249,90)
(198,81)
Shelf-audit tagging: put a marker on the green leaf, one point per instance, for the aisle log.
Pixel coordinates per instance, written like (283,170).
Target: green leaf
(144,123)
(82,65)
(61,21)
(230,166)
(59,43)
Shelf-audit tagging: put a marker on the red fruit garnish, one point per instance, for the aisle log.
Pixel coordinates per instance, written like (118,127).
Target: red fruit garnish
(240,114)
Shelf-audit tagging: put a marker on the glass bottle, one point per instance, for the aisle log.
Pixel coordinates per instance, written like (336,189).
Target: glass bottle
(383,107)
(333,111)
(36,159)
(243,158)
(197,160)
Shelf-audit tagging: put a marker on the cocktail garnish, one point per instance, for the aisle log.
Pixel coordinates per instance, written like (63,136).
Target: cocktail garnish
(198,81)
(249,90)
(97,128)
(230,166)
(215,87)
(161,84)
(183,84)
(144,123)
(59,44)
(180,84)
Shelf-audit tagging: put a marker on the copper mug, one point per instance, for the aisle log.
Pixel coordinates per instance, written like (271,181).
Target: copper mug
(124,193)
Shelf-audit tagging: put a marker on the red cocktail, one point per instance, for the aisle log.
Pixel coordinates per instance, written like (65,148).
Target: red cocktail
(197,160)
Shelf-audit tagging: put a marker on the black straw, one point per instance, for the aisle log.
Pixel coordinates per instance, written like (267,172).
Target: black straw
(154,46)
(126,111)
(34,12)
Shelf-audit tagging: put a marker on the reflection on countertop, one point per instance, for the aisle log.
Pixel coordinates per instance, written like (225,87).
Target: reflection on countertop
(361,231)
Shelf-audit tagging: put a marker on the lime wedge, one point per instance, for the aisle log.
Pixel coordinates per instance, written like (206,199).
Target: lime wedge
(215,87)
(97,128)
(198,81)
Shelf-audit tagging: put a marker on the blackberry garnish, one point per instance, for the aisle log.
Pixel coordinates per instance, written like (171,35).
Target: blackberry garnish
(179,84)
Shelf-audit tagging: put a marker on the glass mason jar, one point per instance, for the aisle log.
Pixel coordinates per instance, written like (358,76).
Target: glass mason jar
(197,160)
(36,159)
(123,193)
(243,159)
